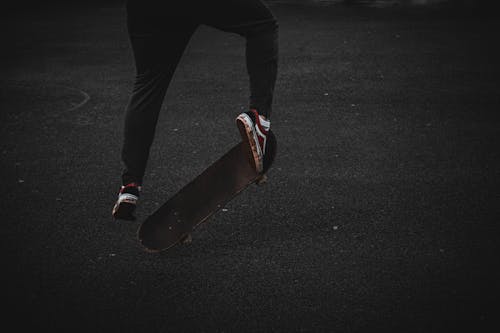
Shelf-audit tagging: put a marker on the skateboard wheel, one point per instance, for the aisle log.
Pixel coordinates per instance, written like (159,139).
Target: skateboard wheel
(261,180)
(187,239)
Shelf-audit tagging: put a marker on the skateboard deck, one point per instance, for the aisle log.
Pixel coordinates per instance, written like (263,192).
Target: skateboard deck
(202,197)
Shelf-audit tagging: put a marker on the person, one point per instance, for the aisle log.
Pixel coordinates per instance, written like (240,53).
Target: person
(159,32)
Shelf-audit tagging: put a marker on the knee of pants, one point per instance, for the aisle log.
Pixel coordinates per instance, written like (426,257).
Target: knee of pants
(262,43)
(260,28)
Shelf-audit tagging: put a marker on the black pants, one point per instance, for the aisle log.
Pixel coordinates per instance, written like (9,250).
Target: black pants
(159,31)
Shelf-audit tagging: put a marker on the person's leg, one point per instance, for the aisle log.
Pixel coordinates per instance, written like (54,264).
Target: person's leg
(158,37)
(253,20)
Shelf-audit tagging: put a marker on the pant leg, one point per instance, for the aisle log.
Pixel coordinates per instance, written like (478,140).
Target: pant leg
(253,20)
(157,44)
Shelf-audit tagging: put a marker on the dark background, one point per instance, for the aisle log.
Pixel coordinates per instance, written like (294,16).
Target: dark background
(381,212)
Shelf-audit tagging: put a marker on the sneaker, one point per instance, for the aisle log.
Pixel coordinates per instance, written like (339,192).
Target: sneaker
(254,129)
(127,201)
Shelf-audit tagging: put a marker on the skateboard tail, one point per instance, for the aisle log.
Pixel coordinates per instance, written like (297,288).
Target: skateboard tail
(156,236)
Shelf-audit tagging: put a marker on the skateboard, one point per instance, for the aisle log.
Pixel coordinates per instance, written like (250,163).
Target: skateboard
(209,192)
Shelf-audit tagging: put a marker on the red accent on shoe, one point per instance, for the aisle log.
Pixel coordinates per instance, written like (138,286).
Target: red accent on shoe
(134,184)
(260,128)
(257,120)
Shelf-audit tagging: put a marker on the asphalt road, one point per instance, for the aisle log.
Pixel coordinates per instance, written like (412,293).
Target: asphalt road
(381,213)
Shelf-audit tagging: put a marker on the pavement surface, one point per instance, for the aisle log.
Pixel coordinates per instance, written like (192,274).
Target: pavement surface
(381,212)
